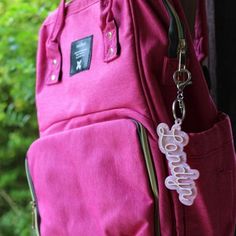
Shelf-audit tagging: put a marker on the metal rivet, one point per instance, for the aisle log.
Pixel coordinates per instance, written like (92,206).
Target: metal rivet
(53,77)
(54,61)
(109,34)
(111,50)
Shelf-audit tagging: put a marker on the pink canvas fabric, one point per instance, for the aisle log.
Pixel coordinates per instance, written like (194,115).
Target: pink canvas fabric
(201,31)
(87,167)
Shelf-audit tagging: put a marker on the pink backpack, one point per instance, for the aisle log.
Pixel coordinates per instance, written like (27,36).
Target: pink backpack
(200,40)
(100,166)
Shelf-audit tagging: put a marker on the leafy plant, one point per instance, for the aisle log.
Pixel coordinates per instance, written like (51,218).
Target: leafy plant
(19,24)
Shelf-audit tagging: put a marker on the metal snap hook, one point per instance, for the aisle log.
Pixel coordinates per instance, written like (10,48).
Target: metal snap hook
(182,78)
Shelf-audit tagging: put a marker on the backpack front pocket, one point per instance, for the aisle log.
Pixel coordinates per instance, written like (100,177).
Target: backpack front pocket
(212,153)
(96,180)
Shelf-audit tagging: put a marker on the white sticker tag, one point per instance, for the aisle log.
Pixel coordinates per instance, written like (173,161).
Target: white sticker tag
(171,143)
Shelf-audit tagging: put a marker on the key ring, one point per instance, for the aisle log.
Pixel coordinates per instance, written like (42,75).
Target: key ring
(181,109)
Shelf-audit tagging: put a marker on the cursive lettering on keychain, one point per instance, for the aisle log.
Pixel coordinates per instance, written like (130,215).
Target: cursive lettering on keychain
(171,143)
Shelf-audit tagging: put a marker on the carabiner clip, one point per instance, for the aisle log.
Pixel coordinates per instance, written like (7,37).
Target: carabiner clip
(182,78)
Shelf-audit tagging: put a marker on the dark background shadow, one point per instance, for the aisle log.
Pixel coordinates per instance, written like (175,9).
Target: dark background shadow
(223,59)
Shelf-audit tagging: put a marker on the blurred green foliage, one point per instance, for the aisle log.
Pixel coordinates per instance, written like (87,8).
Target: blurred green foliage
(19,24)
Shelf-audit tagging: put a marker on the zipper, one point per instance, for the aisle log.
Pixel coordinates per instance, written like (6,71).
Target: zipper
(33,202)
(143,139)
(177,47)
(177,19)
(178,50)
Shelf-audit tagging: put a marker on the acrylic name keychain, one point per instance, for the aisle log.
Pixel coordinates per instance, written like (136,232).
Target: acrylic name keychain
(172,141)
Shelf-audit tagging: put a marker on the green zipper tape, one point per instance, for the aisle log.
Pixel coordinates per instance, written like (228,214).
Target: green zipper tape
(176,30)
(34,199)
(177,19)
(148,160)
(151,172)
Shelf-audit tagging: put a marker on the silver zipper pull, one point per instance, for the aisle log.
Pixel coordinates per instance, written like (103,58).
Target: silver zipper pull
(182,78)
(182,50)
